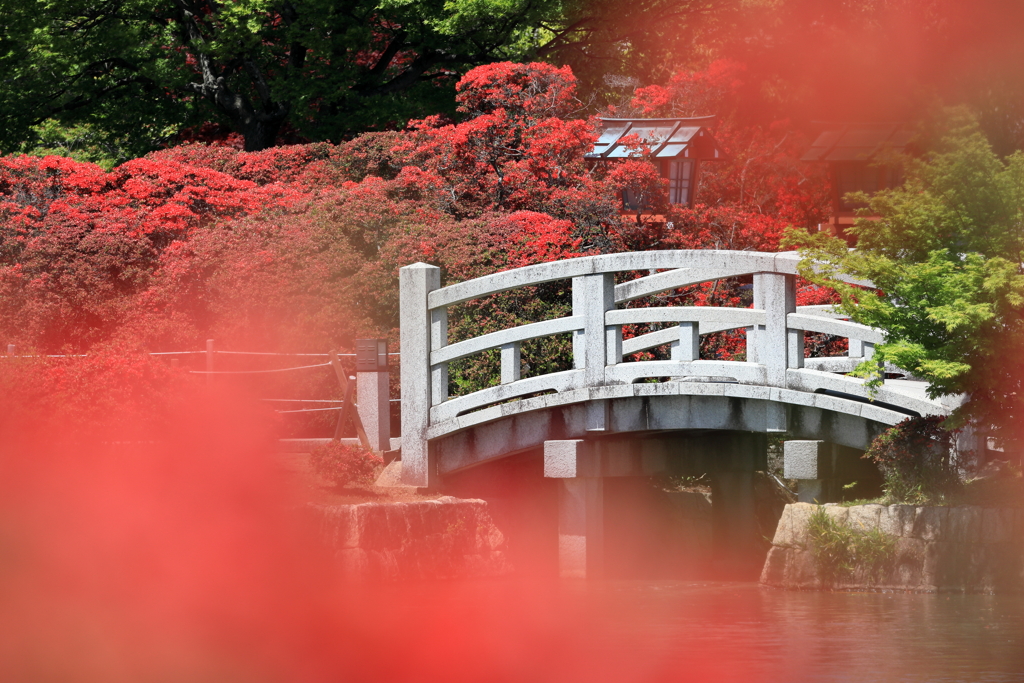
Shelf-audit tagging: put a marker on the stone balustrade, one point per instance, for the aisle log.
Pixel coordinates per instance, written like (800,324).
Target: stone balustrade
(775,375)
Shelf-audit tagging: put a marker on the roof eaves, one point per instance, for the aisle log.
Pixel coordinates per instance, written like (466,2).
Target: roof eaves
(665,140)
(611,145)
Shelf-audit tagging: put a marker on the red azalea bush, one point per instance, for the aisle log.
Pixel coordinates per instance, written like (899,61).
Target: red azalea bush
(126,392)
(298,247)
(533,91)
(512,152)
(79,247)
(761,172)
(345,465)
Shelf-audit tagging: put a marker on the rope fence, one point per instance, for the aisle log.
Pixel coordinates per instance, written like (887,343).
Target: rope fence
(12,353)
(256,372)
(318,400)
(345,406)
(305,400)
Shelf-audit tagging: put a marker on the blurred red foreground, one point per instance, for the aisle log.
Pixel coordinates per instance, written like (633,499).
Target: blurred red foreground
(145,535)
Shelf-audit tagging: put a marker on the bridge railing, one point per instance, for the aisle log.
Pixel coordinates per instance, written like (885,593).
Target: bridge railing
(775,329)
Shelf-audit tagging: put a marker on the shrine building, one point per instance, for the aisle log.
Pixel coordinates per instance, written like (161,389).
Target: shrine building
(856,154)
(678,146)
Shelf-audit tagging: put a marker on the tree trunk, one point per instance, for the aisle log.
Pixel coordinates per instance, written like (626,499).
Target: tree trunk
(258,128)
(260,132)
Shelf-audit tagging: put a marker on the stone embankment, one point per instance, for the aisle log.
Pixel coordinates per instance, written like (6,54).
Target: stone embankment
(935,549)
(432,539)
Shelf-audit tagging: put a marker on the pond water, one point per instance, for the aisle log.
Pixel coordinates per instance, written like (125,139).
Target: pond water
(643,631)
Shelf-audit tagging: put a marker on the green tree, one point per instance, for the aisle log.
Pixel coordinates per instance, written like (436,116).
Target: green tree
(135,72)
(613,46)
(144,69)
(945,254)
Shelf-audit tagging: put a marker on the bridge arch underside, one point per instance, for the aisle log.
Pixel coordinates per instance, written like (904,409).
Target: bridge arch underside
(846,422)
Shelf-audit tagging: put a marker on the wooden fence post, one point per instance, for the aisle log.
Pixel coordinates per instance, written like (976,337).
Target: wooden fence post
(209,361)
(348,387)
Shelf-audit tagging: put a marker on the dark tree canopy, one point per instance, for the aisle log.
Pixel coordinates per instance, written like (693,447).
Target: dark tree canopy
(135,72)
(126,76)
(141,70)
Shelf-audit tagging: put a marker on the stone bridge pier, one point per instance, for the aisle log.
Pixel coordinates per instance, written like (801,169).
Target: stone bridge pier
(581,467)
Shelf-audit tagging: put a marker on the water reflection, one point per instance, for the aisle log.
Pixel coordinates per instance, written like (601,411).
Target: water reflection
(681,631)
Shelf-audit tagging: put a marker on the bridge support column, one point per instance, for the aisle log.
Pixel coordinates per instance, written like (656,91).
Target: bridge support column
(580,507)
(581,528)
(733,509)
(811,464)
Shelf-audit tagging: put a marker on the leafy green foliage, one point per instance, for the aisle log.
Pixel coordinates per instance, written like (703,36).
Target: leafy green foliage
(81,142)
(137,72)
(109,66)
(945,254)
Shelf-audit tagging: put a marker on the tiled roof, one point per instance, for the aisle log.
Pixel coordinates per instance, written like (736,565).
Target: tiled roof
(668,138)
(857,141)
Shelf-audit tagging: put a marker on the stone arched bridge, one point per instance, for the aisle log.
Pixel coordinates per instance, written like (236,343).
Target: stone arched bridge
(774,390)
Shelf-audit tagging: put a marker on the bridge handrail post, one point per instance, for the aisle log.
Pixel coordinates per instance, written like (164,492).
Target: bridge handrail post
(777,347)
(439,371)
(596,345)
(794,340)
(418,327)
(775,293)
(687,346)
(858,348)
(511,355)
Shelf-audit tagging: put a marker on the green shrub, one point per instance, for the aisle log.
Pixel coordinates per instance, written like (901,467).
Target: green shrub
(914,457)
(344,465)
(839,549)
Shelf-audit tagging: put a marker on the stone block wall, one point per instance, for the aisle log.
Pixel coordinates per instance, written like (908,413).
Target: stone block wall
(434,539)
(937,549)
